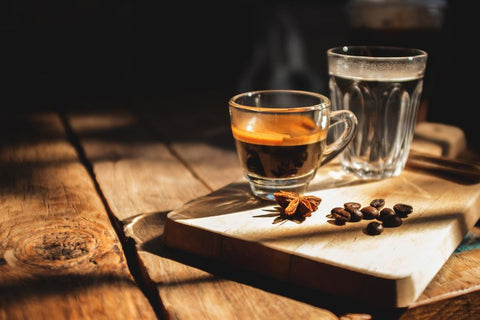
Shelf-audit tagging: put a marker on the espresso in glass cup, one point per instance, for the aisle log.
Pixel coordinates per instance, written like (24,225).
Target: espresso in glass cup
(281,137)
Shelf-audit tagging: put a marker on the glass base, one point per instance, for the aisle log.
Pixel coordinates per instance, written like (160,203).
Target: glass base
(373,174)
(264,188)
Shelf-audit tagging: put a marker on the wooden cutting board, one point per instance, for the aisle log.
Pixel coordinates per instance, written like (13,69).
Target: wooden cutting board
(391,269)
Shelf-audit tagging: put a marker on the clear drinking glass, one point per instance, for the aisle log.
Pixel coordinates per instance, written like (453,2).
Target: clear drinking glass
(280,136)
(382,86)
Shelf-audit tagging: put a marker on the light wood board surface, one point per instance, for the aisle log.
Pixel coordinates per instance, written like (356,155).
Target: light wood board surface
(391,269)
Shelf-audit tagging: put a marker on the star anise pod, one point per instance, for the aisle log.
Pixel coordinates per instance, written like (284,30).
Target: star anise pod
(283,198)
(293,203)
(308,204)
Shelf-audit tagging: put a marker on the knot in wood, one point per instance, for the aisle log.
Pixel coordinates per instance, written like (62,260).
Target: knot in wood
(61,246)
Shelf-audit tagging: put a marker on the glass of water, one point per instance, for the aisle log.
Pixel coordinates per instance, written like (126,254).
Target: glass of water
(382,86)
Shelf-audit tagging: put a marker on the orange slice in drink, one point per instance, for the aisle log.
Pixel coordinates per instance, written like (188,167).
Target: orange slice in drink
(290,130)
(266,138)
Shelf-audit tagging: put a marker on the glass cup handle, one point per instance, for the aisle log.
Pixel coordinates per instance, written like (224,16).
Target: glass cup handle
(337,146)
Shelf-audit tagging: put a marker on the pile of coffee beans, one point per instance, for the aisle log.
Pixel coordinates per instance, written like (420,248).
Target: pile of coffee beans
(384,217)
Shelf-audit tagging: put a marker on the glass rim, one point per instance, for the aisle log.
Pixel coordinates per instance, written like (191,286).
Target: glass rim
(407,53)
(324,104)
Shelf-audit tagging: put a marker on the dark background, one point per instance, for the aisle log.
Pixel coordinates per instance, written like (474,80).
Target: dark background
(198,54)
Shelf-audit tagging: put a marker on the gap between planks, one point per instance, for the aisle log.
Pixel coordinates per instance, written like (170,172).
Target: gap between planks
(173,152)
(133,261)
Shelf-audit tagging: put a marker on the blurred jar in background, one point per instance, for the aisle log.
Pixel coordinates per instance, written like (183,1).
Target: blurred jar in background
(406,23)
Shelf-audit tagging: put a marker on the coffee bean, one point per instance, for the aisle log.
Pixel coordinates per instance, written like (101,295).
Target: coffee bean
(370,213)
(354,209)
(352,206)
(402,209)
(340,215)
(374,228)
(392,221)
(385,213)
(387,217)
(377,203)
(356,215)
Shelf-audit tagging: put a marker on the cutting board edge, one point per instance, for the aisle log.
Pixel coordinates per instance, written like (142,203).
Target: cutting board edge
(290,268)
(401,291)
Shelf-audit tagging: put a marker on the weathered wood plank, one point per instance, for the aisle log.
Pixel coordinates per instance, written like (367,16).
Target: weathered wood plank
(185,283)
(454,293)
(60,257)
(136,172)
(133,164)
(201,137)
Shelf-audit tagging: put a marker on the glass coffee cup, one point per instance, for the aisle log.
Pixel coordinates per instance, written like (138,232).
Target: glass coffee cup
(281,137)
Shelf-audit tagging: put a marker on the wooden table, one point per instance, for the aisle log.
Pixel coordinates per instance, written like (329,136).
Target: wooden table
(84,193)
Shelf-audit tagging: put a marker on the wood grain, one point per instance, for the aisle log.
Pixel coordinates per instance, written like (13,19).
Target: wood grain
(392,269)
(60,257)
(202,138)
(136,171)
(450,139)
(188,283)
(142,179)
(454,292)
